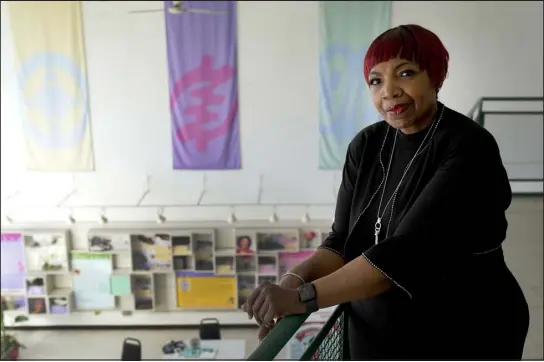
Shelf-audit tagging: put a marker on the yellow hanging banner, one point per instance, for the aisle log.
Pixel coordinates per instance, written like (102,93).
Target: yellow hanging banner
(49,56)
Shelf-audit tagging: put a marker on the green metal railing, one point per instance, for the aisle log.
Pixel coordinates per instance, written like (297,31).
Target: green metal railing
(478,114)
(330,344)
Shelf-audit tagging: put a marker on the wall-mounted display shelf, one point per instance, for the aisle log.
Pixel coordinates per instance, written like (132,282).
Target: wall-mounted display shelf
(33,266)
(47,251)
(145,270)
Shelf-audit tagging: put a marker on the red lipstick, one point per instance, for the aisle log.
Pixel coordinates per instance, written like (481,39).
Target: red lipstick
(398,108)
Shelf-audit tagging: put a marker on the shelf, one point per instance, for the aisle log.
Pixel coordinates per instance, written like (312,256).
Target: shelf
(122,271)
(59,292)
(246,273)
(164,250)
(159,306)
(96,311)
(129,271)
(225,252)
(153,272)
(32,273)
(108,252)
(13,293)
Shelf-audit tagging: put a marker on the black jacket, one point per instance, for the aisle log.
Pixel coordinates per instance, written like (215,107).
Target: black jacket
(450,206)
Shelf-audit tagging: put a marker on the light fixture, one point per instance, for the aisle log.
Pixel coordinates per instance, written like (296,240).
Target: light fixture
(103,219)
(306,217)
(232,217)
(70,219)
(273,218)
(161,219)
(7,219)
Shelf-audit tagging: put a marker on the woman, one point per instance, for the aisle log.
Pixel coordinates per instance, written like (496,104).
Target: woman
(415,247)
(243,245)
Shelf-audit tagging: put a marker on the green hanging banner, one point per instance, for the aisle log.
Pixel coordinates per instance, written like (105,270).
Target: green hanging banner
(346,30)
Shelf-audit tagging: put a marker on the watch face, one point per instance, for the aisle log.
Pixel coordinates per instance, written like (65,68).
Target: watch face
(307,292)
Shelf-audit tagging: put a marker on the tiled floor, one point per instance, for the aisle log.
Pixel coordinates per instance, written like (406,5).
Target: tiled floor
(107,344)
(523,250)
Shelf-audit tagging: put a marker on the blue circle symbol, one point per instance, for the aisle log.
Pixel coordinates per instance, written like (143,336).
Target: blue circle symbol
(343,92)
(53,102)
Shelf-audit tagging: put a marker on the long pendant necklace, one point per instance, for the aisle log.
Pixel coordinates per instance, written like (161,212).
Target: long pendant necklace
(378,224)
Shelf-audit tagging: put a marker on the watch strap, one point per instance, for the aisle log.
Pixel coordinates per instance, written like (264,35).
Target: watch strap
(311,306)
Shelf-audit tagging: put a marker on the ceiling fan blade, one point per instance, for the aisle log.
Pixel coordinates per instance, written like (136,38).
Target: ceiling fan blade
(146,11)
(205,11)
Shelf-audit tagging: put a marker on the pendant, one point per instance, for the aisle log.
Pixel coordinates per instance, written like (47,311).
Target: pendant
(377,228)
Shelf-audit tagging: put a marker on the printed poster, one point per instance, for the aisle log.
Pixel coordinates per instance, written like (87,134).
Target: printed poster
(91,281)
(205,290)
(12,277)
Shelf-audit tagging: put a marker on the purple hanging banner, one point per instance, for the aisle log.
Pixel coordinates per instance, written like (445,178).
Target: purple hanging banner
(201,44)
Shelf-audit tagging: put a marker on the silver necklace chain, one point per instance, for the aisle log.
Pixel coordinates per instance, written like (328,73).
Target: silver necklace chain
(420,150)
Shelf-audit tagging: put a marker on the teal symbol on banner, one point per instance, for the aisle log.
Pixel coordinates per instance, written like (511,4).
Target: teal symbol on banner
(342,92)
(53,102)
(346,106)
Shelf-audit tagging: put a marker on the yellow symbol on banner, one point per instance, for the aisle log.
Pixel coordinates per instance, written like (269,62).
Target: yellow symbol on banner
(55,93)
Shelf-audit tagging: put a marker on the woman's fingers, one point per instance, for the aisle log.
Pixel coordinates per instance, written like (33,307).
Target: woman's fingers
(250,301)
(261,312)
(263,332)
(257,306)
(268,317)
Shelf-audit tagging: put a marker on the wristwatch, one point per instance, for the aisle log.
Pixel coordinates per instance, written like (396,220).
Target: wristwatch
(308,296)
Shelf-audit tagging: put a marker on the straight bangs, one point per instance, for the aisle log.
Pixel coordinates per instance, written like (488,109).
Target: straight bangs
(413,43)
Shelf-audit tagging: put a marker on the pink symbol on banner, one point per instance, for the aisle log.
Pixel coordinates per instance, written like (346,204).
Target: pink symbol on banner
(212,78)
(20,266)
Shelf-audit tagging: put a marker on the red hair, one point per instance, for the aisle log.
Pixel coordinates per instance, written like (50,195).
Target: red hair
(413,43)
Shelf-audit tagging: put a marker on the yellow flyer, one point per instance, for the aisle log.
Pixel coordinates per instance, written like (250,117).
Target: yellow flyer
(205,290)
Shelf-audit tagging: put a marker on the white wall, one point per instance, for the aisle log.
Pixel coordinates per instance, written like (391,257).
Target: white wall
(495,48)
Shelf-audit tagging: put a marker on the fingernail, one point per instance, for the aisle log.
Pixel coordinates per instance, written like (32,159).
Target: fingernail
(260,340)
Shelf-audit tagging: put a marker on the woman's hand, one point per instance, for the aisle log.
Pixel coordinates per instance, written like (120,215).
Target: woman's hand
(270,301)
(287,282)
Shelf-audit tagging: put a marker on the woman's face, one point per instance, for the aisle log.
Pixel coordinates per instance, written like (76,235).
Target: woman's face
(403,94)
(244,243)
